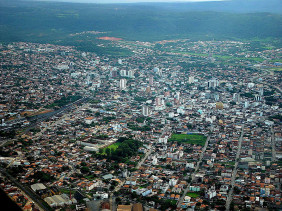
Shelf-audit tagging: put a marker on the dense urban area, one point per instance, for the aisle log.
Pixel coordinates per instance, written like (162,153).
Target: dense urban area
(170,125)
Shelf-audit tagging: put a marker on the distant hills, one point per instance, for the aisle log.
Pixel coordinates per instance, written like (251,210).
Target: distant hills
(49,21)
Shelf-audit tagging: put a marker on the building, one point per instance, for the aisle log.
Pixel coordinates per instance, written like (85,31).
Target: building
(130,74)
(124,207)
(114,73)
(151,81)
(123,73)
(145,110)
(191,79)
(122,84)
(213,83)
(219,105)
(137,207)
(236,97)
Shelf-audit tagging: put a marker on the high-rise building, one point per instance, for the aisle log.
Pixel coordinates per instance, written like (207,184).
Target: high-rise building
(257,97)
(123,73)
(236,97)
(246,105)
(177,96)
(145,110)
(151,81)
(213,83)
(148,90)
(114,73)
(191,80)
(158,101)
(122,83)
(130,74)
(156,69)
(261,91)
(119,61)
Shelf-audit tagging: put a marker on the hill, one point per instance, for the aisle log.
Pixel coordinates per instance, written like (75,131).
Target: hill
(47,22)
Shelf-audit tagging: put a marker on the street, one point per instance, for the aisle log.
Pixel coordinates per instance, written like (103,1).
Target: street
(234,173)
(180,201)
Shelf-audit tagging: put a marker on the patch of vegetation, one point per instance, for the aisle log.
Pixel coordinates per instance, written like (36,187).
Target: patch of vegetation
(64,101)
(278,116)
(189,139)
(193,194)
(8,134)
(109,149)
(43,177)
(30,21)
(121,151)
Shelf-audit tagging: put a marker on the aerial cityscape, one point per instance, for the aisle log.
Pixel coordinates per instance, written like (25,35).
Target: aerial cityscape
(171,124)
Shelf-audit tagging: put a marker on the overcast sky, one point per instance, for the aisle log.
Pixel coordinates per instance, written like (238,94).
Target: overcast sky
(128,1)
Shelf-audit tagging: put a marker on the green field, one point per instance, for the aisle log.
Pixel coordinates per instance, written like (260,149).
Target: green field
(189,139)
(112,147)
(193,194)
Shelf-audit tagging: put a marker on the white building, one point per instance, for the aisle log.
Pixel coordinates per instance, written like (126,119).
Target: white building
(123,73)
(122,84)
(145,110)
(191,79)
(130,74)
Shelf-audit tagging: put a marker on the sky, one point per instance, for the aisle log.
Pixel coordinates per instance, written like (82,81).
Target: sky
(128,1)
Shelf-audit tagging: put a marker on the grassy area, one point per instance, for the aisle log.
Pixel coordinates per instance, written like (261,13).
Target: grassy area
(90,177)
(189,139)
(221,57)
(112,147)
(193,194)
(67,191)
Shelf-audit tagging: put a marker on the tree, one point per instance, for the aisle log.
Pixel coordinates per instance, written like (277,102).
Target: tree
(84,170)
(108,151)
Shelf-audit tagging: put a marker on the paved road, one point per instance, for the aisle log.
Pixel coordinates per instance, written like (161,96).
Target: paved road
(234,173)
(143,160)
(180,201)
(31,195)
(273,145)
(42,117)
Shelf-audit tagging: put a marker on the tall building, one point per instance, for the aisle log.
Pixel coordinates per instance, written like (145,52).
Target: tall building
(119,61)
(130,74)
(261,91)
(114,73)
(148,90)
(191,80)
(177,96)
(158,101)
(123,73)
(151,81)
(145,110)
(257,97)
(122,83)
(236,97)
(213,83)
(246,105)
(156,69)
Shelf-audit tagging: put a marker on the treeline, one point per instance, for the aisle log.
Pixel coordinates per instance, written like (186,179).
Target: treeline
(8,134)
(53,22)
(126,149)
(64,101)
